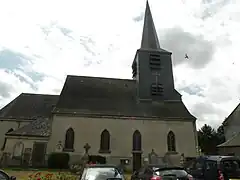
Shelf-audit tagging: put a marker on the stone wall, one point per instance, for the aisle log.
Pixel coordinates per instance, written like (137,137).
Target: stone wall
(154,135)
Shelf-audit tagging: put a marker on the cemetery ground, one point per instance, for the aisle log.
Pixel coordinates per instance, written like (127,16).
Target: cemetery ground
(45,174)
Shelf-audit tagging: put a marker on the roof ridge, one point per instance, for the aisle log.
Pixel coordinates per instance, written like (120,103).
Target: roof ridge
(8,106)
(39,94)
(229,140)
(96,77)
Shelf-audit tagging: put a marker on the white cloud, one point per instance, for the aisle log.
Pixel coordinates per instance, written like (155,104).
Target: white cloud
(99,38)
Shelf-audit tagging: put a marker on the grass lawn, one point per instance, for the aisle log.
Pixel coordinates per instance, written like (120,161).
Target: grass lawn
(45,175)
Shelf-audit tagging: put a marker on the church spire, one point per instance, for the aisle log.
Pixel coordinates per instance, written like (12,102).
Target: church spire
(149,35)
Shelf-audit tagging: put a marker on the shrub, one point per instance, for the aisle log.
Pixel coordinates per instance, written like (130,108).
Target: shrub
(58,161)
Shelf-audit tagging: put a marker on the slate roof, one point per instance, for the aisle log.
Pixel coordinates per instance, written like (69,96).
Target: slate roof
(232,142)
(37,128)
(149,34)
(29,106)
(108,96)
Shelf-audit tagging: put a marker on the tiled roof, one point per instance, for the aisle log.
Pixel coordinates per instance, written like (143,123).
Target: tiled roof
(232,142)
(29,106)
(37,128)
(109,96)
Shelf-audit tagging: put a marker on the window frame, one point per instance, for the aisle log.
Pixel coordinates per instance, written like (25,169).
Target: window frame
(66,143)
(171,142)
(155,61)
(157,89)
(103,149)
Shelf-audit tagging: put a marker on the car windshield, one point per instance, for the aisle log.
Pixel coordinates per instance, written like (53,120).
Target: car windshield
(230,164)
(102,173)
(176,172)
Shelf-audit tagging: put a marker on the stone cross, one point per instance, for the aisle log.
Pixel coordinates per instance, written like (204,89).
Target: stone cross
(87,147)
(156,74)
(153,157)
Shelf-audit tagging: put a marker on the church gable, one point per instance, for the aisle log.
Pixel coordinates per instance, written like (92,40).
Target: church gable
(234,115)
(29,106)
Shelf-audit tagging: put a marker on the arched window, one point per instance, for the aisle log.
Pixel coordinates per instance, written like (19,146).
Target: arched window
(171,142)
(105,142)
(69,140)
(5,139)
(137,141)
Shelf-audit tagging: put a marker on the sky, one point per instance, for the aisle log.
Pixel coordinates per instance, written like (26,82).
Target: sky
(41,42)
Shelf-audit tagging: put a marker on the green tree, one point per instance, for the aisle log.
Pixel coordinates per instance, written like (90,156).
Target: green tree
(207,138)
(220,135)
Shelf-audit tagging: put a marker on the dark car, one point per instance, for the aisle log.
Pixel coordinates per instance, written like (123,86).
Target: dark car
(5,176)
(158,172)
(102,172)
(214,167)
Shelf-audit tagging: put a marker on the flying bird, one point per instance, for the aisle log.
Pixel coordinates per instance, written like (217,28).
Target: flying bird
(186,56)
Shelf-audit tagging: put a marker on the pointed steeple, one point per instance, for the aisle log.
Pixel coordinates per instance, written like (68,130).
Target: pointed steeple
(149,35)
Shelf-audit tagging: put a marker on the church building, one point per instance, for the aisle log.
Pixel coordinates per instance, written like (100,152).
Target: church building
(119,119)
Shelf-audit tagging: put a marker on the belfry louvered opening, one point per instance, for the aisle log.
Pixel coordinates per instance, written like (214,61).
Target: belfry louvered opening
(157,89)
(154,61)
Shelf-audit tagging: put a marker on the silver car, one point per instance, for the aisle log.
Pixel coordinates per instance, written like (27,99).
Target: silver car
(102,172)
(5,176)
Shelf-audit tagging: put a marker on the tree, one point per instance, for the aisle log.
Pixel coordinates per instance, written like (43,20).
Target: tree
(220,135)
(209,138)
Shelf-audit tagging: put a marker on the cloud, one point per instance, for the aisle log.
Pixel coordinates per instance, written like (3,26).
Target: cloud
(11,60)
(211,7)
(180,42)
(207,113)
(139,17)
(19,65)
(192,90)
(5,90)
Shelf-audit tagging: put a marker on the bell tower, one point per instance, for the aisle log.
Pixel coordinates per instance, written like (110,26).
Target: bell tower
(152,66)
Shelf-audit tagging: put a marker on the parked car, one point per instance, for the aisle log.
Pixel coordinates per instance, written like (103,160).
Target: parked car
(214,167)
(5,176)
(158,172)
(102,172)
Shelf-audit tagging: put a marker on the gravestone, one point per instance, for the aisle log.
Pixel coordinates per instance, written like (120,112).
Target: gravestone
(145,161)
(5,159)
(27,157)
(172,159)
(59,147)
(182,160)
(153,157)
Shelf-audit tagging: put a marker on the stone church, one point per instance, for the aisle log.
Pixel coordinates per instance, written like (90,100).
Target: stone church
(119,119)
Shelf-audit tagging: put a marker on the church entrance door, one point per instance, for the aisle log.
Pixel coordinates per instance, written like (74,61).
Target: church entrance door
(137,160)
(38,154)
